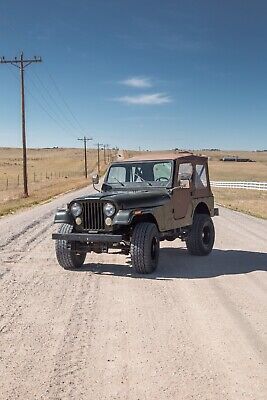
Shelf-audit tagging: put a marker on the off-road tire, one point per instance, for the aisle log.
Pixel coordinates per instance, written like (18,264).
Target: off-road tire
(200,239)
(66,258)
(144,248)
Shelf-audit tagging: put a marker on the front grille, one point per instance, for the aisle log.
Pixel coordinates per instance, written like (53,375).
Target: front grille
(93,215)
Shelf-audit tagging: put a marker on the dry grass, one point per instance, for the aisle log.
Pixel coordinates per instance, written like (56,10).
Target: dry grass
(41,195)
(238,171)
(251,202)
(233,171)
(50,172)
(67,168)
(216,155)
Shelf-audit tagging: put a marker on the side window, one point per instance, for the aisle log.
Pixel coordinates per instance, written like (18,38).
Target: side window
(185,171)
(201,176)
(162,171)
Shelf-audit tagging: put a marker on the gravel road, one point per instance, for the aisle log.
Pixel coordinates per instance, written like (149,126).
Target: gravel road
(195,329)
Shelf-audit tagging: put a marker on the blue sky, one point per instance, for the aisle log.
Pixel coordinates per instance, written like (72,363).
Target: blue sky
(155,74)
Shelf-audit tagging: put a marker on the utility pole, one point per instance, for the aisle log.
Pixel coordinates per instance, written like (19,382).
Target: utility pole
(98,157)
(108,152)
(85,140)
(21,63)
(105,153)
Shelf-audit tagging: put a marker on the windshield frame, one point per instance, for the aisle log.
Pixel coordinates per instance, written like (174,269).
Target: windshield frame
(140,184)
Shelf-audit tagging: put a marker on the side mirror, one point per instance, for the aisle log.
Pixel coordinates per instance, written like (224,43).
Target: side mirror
(95,179)
(184,183)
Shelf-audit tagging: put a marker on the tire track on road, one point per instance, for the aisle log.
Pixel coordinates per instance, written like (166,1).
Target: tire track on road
(71,357)
(193,329)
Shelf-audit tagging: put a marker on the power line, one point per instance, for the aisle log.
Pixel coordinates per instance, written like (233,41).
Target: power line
(48,109)
(61,112)
(44,109)
(64,101)
(21,63)
(52,110)
(51,116)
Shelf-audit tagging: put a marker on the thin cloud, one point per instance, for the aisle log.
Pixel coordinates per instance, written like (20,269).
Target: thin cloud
(182,43)
(193,43)
(146,99)
(137,82)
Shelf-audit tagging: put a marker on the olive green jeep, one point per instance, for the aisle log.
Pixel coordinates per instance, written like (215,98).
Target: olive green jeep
(143,201)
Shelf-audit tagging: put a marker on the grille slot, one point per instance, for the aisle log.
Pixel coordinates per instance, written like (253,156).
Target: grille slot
(93,215)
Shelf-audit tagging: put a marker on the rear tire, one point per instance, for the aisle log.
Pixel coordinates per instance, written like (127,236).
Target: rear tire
(200,239)
(67,258)
(145,248)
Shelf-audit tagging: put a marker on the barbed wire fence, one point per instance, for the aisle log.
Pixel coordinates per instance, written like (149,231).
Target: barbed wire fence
(15,181)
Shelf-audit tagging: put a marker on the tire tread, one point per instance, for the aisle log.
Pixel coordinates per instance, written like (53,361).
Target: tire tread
(139,247)
(67,259)
(193,241)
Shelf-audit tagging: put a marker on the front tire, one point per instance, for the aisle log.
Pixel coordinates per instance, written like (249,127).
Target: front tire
(200,239)
(145,248)
(67,258)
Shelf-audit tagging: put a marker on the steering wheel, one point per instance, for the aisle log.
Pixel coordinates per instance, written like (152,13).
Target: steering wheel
(164,178)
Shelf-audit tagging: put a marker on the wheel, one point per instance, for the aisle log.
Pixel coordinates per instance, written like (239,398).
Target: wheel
(145,247)
(200,239)
(66,258)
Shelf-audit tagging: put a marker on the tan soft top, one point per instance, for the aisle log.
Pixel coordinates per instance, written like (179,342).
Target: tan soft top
(153,156)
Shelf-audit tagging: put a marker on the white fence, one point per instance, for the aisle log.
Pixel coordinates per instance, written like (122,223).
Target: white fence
(240,185)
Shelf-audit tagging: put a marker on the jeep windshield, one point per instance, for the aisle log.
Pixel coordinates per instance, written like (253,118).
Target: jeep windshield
(147,173)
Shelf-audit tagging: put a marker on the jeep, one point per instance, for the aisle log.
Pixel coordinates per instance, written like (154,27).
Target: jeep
(143,201)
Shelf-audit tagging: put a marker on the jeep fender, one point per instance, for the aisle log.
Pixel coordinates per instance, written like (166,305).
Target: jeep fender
(63,216)
(123,217)
(126,217)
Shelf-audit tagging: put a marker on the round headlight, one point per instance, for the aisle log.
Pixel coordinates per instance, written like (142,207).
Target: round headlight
(76,209)
(109,209)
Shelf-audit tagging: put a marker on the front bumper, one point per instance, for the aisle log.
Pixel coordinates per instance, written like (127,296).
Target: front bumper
(88,237)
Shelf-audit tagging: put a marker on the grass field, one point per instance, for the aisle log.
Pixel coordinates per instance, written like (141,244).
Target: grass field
(238,171)
(233,171)
(50,172)
(54,171)
(253,202)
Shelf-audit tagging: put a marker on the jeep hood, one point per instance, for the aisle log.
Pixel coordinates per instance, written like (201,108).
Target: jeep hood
(131,199)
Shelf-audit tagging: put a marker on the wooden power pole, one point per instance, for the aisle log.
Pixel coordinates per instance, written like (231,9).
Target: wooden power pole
(98,156)
(105,161)
(21,63)
(108,153)
(85,140)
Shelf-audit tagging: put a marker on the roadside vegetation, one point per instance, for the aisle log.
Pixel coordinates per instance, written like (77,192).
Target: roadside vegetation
(237,171)
(50,173)
(55,171)
(251,202)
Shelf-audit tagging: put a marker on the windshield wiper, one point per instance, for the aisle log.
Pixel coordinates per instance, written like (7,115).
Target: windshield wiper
(118,181)
(142,179)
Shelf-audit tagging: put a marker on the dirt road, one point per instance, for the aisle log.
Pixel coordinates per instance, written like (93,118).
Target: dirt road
(196,329)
